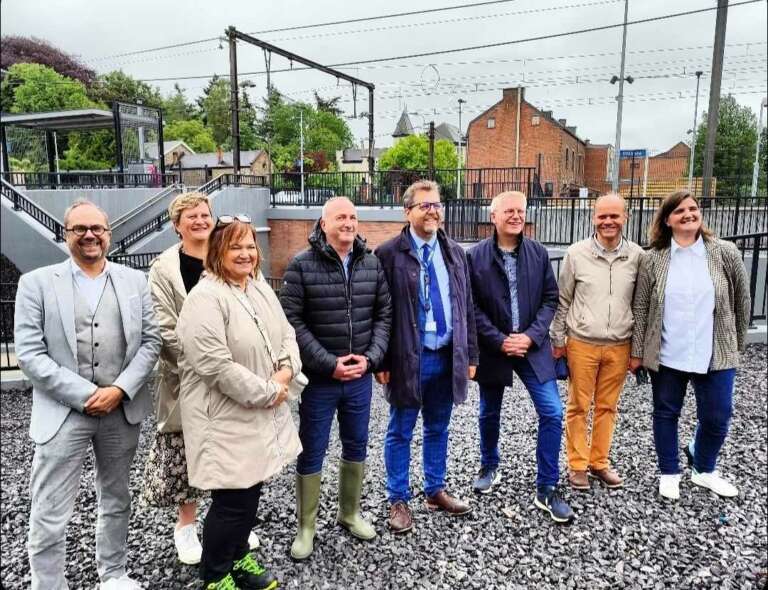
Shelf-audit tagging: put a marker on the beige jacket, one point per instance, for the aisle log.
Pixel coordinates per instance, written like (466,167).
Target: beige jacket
(231,437)
(168,294)
(732,303)
(596,294)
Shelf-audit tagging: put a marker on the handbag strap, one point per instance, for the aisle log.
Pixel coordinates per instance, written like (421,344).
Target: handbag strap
(248,306)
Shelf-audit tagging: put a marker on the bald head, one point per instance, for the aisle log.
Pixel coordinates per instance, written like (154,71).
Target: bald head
(609,217)
(339,222)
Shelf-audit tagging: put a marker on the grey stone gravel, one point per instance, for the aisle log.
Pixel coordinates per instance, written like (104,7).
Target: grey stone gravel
(622,539)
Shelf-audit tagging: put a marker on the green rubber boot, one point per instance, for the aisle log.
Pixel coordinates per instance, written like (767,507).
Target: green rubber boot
(350,486)
(307,498)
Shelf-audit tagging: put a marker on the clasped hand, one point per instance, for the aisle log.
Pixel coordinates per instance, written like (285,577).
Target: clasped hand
(516,345)
(282,377)
(349,367)
(103,401)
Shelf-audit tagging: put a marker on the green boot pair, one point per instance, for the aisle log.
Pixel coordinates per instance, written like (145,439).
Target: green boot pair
(348,516)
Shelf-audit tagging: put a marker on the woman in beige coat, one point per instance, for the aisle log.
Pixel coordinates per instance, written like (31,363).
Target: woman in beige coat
(172,275)
(238,357)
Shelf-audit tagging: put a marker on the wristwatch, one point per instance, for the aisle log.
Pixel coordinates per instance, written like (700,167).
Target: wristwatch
(370,364)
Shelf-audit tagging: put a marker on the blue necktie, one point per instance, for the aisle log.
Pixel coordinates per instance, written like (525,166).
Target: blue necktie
(436,301)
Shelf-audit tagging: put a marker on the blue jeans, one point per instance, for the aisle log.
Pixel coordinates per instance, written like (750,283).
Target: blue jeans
(714,406)
(549,407)
(319,402)
(437,403)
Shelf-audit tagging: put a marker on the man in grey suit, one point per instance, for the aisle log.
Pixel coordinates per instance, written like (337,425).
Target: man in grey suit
(86,338)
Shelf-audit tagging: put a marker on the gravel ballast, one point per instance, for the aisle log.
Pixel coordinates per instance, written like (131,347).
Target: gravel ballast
(625,538)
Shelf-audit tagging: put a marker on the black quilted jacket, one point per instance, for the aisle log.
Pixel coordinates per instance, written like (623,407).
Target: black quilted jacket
(332,316)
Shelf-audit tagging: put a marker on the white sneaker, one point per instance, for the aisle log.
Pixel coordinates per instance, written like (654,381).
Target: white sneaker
(669,486)
(714,482)
(253,541)
(121,583)
(188,545)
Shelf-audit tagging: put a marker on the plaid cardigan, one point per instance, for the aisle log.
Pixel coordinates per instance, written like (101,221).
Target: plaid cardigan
(732,304)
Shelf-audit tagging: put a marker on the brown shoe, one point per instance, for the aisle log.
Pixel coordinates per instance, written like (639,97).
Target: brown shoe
(608,477)
(453,506)
(400,518)
(578,480)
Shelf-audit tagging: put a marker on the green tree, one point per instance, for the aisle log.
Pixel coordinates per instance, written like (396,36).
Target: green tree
(215,108)
(734,143)
(248,115)
(120,86)
(412,153)
(176,107)
(192,132)
(34,88)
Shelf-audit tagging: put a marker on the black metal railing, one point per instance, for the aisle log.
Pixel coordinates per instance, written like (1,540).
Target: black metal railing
(754,253)
(22,203)
(139,261)
(102,179)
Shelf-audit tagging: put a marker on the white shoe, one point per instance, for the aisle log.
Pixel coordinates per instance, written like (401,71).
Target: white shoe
(253,541)
(669,486)
(714,482)
(121,583)
(188,545)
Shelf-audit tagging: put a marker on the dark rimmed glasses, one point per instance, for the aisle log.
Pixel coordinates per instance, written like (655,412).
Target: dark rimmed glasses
(436,206)
(81,230)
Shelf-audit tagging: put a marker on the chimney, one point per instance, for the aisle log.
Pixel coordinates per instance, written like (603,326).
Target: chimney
(511,93)
(562,122)
(547,114)
(572,129)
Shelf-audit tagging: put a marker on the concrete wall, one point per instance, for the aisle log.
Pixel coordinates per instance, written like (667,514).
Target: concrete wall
(25,242)
(115,202)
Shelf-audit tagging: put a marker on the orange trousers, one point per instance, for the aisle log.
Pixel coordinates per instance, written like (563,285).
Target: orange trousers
(596,374)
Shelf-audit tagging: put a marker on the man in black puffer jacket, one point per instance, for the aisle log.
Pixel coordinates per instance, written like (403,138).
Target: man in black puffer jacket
(336,297)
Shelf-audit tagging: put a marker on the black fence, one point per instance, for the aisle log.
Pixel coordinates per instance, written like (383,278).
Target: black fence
(754,253)
(21,203)
(74,180)
(7,306)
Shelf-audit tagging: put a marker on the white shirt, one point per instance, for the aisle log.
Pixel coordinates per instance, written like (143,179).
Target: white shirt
(689,304)
(90,288)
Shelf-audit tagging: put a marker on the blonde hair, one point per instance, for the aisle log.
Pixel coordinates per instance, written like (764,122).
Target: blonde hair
(186,201)
(418,186)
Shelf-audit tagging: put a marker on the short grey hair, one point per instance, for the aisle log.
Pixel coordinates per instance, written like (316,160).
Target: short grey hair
(419,185)
(324,210)
(80,203)
(611,194)
(501,196)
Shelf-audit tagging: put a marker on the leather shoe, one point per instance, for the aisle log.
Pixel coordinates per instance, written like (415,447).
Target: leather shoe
(453,506)
(608,477)
(578,480)
(400,518)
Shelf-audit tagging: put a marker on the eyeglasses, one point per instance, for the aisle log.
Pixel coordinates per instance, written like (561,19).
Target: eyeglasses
(81,230)
(225,220)
(437,206)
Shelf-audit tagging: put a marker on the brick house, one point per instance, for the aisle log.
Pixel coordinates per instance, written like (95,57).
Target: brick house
(548,144)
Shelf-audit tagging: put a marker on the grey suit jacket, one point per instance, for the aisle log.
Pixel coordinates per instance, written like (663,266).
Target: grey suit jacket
(46,346)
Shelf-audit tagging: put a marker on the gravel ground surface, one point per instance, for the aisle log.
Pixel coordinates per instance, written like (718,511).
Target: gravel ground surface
(622,539)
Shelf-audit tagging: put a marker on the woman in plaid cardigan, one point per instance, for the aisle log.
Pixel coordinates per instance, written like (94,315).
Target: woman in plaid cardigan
(691,309)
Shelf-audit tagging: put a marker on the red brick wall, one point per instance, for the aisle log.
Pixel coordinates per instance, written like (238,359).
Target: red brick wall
(596,169)
(289,237)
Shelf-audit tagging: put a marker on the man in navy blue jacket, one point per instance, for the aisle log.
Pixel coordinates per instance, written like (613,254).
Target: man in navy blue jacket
(515,296)
(432,350)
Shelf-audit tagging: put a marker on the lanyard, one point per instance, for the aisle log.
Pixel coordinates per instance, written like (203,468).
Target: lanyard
(425,268)
(242,298)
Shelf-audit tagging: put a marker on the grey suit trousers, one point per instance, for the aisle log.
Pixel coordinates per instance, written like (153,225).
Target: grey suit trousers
(56,472)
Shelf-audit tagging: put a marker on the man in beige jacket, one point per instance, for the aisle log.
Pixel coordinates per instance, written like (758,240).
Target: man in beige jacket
(593,329)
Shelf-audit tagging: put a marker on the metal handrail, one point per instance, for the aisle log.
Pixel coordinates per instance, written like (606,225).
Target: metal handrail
(145,205)
(22,203)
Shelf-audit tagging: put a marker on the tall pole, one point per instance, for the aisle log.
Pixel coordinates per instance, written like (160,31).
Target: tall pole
(756,166)
(301,152)
(371,163)
(234,100)
(694,132)
(620,100)
(431,150)
(460,164)
(713,114)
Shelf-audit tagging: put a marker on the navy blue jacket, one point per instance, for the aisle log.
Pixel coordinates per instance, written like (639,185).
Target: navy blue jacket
(537,297)
(403,358)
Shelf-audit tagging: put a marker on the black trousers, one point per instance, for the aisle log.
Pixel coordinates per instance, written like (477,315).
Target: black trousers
(225,532)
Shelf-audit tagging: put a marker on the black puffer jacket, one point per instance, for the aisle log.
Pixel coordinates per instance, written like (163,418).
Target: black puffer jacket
(334,317)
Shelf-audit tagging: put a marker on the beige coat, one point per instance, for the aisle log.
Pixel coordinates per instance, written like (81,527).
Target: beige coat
(732,304)
(596,292)
(168,295)
(232,438)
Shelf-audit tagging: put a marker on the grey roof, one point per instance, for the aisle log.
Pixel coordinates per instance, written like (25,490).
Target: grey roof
(404,126)
(76,120)
(449,132)
(357,154)
(150,147)
(211,159)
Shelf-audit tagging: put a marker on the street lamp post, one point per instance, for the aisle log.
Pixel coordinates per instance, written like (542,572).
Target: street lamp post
(620,100)
(460,163)
(756,166)
(693,137)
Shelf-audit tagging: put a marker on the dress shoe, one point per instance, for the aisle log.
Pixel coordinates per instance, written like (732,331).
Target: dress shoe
(443,501)
(400,518)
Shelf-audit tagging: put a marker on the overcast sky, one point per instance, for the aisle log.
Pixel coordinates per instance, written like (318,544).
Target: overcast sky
(568,75)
